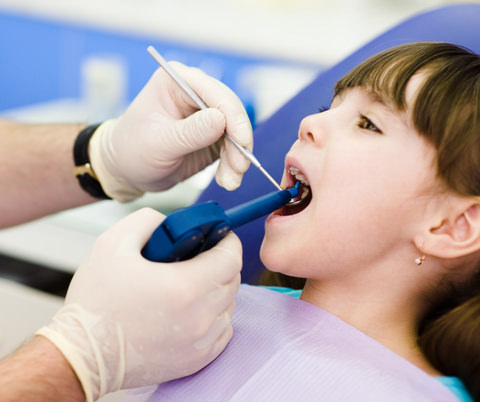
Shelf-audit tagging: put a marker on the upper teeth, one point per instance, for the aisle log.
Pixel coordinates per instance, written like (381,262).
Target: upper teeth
(299,176)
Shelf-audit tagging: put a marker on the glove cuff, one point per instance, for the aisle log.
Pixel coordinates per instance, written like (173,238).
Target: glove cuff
(75,361)
(113,186)
(99,371)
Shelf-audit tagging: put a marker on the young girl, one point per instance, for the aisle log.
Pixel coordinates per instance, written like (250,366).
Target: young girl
(388,237)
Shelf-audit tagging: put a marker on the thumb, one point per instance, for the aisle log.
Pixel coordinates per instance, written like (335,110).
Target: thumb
(201,129)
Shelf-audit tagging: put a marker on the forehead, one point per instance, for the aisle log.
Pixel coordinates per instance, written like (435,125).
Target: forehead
(364,96)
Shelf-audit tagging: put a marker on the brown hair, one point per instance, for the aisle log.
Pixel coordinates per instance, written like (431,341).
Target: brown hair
(447,113)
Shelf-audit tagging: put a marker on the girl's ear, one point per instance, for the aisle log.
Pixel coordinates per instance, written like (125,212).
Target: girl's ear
(457,234)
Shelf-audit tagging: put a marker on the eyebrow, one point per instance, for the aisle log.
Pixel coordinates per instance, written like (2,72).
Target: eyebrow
(382,100)
(378,98)
(374,96)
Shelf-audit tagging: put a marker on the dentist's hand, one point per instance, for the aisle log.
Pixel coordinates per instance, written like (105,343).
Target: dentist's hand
(162,138)
(128,322)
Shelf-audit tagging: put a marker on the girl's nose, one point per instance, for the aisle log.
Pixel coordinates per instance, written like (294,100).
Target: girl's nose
(312,129)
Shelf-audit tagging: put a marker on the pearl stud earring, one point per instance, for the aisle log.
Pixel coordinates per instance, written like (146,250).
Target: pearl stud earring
(419,260)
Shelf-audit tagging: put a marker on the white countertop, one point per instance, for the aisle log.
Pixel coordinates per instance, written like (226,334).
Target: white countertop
(319,32)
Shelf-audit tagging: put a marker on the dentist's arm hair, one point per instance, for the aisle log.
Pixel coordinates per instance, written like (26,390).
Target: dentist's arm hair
(36,166)
(38,372)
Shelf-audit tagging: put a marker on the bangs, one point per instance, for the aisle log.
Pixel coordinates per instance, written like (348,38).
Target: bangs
(386,74)
(389,72)
(446,110)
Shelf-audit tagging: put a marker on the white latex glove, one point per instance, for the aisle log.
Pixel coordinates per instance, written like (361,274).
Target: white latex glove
(162,138)
(128,322)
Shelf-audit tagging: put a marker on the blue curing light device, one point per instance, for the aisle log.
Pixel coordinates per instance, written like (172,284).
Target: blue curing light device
(189,231)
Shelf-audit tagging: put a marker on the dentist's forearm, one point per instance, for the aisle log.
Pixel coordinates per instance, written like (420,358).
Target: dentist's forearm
(38,372)
(36,166)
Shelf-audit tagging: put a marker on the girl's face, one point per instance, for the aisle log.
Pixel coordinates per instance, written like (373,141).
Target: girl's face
(371,178)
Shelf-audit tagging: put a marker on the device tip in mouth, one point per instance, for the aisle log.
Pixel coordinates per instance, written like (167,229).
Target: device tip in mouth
(298,203)
(304,191)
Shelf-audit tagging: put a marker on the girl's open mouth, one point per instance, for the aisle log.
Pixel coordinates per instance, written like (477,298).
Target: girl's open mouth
(305,196)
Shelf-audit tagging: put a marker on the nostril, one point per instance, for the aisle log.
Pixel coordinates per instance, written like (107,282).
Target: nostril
(310,129)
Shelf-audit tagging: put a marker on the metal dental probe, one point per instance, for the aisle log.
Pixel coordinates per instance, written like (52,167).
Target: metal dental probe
(202,105)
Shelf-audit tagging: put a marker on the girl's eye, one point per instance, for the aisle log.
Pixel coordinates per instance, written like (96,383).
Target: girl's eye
(366,124)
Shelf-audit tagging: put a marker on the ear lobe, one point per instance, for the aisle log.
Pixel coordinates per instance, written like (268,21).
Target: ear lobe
(458,235)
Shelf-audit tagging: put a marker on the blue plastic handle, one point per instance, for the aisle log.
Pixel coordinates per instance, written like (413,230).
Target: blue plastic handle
(189,231)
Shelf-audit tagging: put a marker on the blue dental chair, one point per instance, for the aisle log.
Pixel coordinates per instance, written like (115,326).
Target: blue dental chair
(458,24)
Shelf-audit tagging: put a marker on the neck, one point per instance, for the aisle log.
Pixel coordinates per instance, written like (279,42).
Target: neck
(385,313)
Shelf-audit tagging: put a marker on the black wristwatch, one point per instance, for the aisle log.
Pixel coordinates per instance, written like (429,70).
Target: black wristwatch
(83,169)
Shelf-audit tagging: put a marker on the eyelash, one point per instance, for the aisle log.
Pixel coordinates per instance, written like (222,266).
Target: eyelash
(366,124)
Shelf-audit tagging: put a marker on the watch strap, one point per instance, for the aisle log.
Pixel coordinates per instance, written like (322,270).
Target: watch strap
(83,170)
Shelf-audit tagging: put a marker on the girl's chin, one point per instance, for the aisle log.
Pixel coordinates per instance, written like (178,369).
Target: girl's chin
(265,255)
(271,258)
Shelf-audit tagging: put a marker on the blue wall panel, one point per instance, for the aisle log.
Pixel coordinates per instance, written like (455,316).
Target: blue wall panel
(29,61)
(41,60)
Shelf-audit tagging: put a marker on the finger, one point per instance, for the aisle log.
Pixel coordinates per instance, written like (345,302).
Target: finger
(231,309)
(232,165)
(222,340)
(219,265)
(216,94)
(192,76)
(234,158)
(200,130)
(238,126)
(222,298)
(218,335)
(227,177)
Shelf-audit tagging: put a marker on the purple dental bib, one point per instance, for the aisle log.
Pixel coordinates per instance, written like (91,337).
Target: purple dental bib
(284,349)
